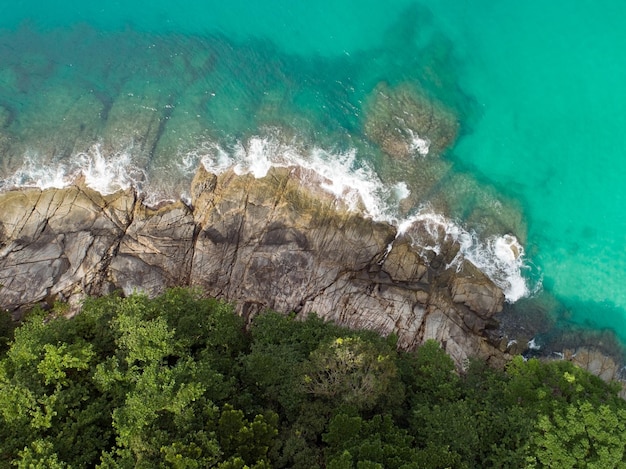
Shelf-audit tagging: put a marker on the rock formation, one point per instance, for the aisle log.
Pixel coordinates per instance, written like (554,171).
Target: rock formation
(262,243)
(404,122)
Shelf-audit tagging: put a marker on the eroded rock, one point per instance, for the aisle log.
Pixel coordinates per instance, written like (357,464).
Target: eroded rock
(263,243)
(58,242)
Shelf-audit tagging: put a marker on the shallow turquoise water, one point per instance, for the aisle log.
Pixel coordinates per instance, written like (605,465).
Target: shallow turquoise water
(550,79)
(538,91)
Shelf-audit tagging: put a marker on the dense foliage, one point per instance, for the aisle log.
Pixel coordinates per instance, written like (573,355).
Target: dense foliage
(178,382)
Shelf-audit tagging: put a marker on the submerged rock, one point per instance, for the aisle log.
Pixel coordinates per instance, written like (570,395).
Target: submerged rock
(272,242)
(135,121)
(404,122)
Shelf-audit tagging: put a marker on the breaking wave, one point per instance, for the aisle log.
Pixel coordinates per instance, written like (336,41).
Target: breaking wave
(501,258)
(352,182)
(104,173)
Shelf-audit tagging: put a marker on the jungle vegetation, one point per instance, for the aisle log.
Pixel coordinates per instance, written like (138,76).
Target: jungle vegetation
(179,381)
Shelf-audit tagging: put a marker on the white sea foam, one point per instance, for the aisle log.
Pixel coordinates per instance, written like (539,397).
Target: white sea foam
(418,144)
(108,175)
(212,156)
(532,345)
(401,190)
(256,155)
(33,173)
(353,183)
(501,258)
(105,175)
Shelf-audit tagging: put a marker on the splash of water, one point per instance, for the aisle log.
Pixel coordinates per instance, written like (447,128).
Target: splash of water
(351,182)
(418,144)
(104,173)
(33,173)
(108,175)
(501,258)
(354,183)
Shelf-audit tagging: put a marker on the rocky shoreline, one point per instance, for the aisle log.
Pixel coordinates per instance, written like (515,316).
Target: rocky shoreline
(273,242)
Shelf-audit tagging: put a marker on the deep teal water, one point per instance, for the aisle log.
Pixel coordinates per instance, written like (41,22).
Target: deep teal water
(538,91)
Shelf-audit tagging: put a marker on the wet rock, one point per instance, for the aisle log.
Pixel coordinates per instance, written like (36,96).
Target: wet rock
(471,289)
(433,237)
(404,263)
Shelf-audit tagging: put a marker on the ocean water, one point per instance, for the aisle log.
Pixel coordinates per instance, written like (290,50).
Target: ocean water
(501,123)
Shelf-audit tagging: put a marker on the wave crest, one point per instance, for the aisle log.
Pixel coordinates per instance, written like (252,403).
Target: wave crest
(501,258)
(352,182)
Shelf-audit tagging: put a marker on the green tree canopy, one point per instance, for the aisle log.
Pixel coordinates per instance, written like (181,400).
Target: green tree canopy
(178,382)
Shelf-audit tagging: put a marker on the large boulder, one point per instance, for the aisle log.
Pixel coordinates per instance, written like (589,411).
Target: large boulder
(58,243)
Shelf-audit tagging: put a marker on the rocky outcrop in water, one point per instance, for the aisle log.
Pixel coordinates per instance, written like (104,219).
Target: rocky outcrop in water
(404,122)
(262,243)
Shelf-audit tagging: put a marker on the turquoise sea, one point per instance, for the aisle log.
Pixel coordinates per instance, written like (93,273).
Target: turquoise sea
(505,117)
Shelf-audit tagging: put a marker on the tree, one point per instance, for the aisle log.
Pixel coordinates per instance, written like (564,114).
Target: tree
(39,454)
(356,442)
(177,382)
(430,375)
(46,394)
(350,370)
(165,396)
(580,435)
(247,441)
(273,369)
(7,326)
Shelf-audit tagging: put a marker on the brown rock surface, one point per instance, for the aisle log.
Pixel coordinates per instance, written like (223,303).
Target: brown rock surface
(155,251)
(58,242)
(262,243)
(595,362)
